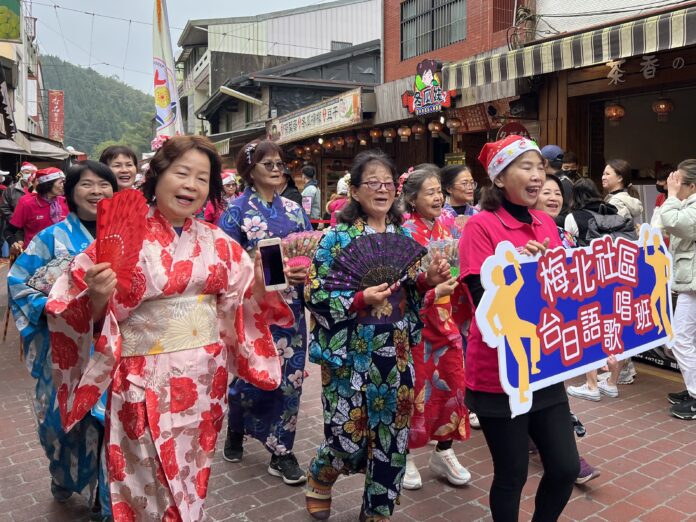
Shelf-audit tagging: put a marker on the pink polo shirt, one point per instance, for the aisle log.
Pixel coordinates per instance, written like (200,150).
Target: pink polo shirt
(482,234)
(33,213)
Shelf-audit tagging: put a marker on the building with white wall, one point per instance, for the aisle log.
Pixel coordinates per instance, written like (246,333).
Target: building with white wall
(215,50)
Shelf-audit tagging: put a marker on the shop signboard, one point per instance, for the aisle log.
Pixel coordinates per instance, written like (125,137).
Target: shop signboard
(427,95)
(329,115)
(559,315)
(512,128)
(455,158)
(56,115)
(10,19)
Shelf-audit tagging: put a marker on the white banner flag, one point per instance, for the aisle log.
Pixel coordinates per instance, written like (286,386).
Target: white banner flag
(166,95)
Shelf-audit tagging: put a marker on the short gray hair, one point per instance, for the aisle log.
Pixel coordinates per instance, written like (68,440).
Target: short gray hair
(413,184)
(688,168)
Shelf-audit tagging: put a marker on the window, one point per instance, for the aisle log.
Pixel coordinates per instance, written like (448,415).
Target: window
(503,14)
(248,113)
(427,25)
(337,46)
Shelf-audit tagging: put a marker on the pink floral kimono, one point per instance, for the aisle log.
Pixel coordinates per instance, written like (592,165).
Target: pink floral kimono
(167,351)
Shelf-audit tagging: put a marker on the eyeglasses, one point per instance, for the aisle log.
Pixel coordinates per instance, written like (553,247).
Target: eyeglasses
(377,185)
(269,165)
(469,184)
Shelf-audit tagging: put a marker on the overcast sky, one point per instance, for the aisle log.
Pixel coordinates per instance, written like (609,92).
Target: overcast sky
(72,35)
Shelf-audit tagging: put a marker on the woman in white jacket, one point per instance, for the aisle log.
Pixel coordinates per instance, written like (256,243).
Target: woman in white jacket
(616,181)
(679,221)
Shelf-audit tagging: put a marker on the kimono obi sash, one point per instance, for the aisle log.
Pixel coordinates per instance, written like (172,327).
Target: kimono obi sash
(170,325)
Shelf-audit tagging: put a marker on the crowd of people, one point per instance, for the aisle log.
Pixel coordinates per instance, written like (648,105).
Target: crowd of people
(134,383)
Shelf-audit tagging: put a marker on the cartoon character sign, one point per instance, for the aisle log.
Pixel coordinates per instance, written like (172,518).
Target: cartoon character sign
(428,96)
(559,315)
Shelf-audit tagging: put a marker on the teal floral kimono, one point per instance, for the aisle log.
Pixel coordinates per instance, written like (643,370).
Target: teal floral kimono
(367,376)
(73,457)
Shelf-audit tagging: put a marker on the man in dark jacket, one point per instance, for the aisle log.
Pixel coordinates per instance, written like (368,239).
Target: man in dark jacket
(13,193)
(289,189)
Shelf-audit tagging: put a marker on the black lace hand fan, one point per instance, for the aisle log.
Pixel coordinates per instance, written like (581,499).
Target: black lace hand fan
(371,260)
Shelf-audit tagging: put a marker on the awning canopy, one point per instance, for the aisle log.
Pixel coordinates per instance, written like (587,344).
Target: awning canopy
(224,141)
(645,36)
(26,144)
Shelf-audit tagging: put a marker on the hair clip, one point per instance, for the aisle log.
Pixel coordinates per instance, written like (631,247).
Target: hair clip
(159,142)
(249,151)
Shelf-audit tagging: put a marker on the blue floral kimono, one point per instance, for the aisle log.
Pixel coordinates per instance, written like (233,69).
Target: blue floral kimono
(74,460)
(270,416)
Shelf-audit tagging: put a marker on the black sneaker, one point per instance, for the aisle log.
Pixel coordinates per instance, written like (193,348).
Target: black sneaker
(286,466)
(60,494)
(676,398)
(684,410)
(234,447)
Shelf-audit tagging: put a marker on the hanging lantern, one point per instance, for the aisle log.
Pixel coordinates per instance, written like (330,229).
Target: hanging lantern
(389,134)
(418,130)
(307,149)
(435,127)
(404,132)
(328,144)
(362,139)
(339,143)
(375,135)
(350,141)
(453,124)
(316,149)
(662,107)
(299,150)
(614,112)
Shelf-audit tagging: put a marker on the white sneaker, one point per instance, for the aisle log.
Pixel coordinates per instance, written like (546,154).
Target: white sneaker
(474,422)
(445,464)
(412,479)
(607,389)
(584,392)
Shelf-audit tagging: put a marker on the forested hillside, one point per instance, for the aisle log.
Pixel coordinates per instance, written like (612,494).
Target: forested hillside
(99,110)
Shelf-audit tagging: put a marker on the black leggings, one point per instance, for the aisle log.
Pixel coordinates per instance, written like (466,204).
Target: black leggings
(551,430)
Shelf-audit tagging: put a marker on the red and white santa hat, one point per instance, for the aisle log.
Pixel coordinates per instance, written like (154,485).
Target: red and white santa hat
(28,167)
(49,174)
(229,176)
(499,154)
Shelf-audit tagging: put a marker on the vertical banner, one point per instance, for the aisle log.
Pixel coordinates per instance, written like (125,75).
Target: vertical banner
(10,19)
(56,115)
(168,116)
(559,315)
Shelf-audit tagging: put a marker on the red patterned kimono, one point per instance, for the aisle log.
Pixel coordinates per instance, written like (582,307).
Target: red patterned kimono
(167,351)
(439,412)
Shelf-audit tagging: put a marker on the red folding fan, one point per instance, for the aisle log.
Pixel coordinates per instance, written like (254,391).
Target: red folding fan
(121,224)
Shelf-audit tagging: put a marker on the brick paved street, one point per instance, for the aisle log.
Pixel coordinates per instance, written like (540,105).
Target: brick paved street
(647,459)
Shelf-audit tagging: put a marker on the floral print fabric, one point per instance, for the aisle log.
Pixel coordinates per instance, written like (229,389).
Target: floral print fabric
(439,413)
(270,416)
(367,378)
(165,410)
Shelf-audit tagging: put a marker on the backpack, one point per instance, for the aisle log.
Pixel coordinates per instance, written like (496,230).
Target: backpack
(613,225)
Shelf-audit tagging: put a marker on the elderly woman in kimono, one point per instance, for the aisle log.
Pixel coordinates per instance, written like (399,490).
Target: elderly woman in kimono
(195,313)
(259,213)
(72,456)
(366,365)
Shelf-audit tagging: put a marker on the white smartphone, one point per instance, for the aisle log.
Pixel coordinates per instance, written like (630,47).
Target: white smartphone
(272,264)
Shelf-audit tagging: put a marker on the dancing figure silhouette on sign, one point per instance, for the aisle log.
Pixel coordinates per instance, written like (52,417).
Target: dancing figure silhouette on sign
(512,326)
(663,272)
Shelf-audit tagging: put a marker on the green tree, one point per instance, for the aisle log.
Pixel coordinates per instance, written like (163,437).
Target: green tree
(99,109)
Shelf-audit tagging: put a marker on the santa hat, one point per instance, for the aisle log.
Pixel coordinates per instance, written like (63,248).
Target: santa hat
(26,166)
(229,176)
(499,154)
(49,174)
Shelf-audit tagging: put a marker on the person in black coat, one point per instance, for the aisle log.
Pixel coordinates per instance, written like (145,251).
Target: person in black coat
(289,189)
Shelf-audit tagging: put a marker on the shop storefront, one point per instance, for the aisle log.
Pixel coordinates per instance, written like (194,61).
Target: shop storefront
(327,135)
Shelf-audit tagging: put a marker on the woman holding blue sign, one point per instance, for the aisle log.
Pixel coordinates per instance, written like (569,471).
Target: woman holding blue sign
(679,221)
(516,167)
